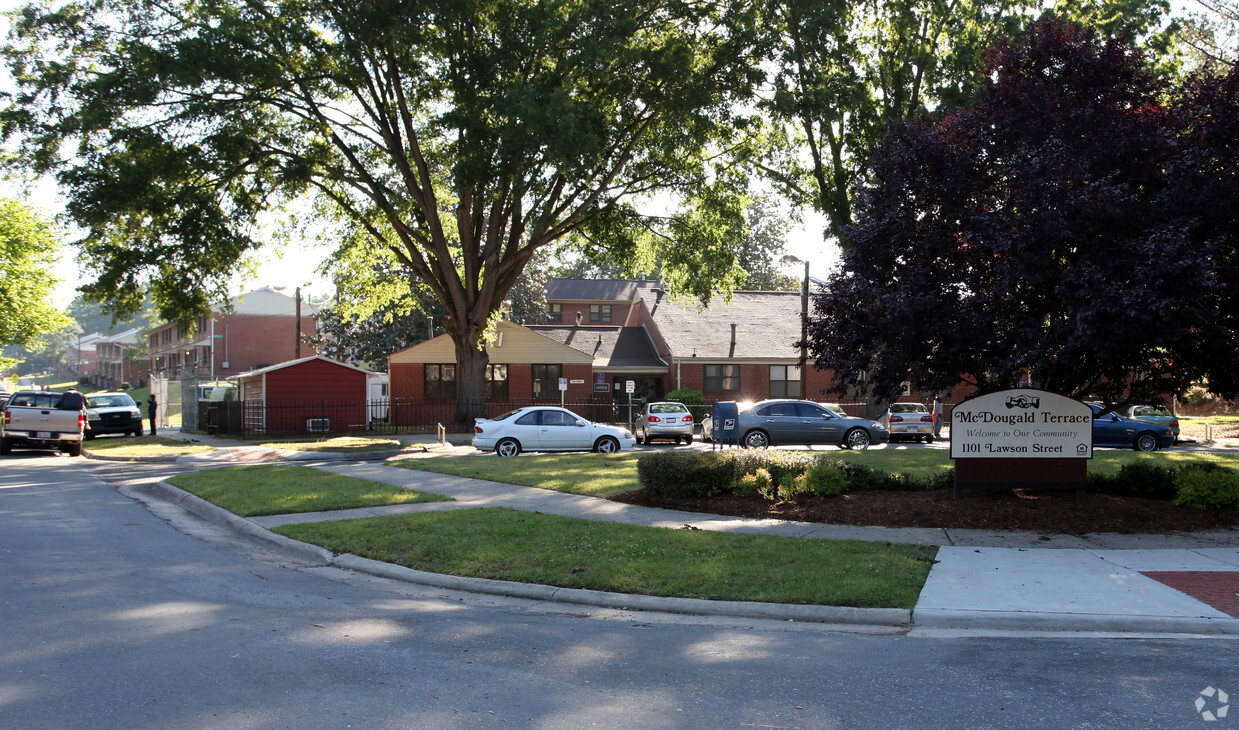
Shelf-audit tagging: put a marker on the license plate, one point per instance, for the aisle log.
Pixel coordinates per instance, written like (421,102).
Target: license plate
(42,434)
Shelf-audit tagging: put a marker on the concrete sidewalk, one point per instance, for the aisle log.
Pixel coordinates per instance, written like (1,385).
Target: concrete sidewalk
(983,580)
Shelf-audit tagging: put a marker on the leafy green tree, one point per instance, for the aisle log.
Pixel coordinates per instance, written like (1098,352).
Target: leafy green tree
(762,247)
(454,140)
(1211,33)
(847,72)
(28,253)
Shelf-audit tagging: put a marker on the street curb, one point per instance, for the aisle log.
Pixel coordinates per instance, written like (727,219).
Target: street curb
(210,512)
(896,617)
(1027,620)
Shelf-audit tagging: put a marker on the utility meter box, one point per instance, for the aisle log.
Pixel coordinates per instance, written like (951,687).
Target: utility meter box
(725,422)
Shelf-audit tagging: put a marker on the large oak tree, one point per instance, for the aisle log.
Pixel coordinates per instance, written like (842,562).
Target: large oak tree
(449,138)
(1076,226)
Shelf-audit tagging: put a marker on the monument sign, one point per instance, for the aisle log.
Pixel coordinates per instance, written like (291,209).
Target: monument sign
(1021,438)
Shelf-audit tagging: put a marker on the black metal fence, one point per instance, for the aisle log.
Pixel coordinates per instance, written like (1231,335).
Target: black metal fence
(387,415)
(382,416)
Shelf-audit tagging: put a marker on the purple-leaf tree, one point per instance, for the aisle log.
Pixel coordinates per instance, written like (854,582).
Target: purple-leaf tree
(1074,228)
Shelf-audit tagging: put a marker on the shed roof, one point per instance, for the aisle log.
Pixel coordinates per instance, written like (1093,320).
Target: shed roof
(294,363)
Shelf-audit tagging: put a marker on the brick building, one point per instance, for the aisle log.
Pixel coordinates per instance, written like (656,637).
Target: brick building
(604,333)
(258,329)
(120,359)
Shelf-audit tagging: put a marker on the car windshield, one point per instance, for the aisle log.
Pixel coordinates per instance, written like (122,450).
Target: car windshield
(1151,411)
(668,408)
(908,408)
(120,400)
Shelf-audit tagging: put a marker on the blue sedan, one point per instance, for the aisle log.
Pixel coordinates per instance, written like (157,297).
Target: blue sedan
(1114,430)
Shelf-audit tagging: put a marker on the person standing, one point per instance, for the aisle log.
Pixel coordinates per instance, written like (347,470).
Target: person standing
(152,410)
(937,416)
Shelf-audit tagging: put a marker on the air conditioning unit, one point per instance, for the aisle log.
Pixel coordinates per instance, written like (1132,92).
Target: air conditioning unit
(318,425)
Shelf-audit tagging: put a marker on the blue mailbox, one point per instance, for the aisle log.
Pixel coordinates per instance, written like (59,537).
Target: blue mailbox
(725,422)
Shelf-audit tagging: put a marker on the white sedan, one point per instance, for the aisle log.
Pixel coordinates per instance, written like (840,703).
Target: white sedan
(547,428)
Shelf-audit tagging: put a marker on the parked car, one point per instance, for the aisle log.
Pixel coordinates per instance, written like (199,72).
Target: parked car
(42,419)
(911,421)
(547,428)
(1111,429)
(707,423)
(1156,414)
(784,422)
(663,420)
(112,413)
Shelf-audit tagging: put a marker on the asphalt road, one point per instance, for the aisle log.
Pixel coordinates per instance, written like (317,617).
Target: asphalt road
(115,613)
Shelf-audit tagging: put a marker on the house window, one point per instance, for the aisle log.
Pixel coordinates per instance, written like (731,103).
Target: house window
(554,312)
(546,380)
(496,382)
(784,381)
(440,382)
(722,378)
(600,314)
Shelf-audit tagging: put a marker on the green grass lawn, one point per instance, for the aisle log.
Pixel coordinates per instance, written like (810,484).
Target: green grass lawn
(346,444)
(506,544)
(143,446)
(250,491)
(606,475)
(594,475)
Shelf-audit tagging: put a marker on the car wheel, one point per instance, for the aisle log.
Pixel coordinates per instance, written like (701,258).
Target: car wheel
(90,435)
(74,449)
(607,445)
(757,439)
(688,440)
(929,439)
(1145,441)
(508,447)
(6,447)
(636,436)
(857,438)
(677,440)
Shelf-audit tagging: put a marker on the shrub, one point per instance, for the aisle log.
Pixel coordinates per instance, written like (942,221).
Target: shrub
(694,399)
(1207,489)
(758,484)
(682,474)
(823,479)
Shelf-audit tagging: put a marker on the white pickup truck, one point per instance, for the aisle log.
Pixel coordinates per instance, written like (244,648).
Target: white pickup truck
(41,419)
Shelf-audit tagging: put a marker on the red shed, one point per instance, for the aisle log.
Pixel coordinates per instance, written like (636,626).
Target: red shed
(314,394)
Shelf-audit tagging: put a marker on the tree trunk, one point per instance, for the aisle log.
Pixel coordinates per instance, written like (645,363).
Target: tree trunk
(471,361)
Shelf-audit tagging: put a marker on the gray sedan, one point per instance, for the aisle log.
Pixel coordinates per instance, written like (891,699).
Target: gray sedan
(781,422)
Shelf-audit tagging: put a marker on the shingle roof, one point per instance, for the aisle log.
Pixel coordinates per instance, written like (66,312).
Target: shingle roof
(767,324)
(593,290)
(611,347)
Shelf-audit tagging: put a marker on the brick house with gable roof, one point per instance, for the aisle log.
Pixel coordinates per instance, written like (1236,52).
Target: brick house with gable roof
(606,332)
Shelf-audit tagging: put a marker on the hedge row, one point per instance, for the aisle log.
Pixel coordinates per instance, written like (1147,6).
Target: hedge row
(790,474)
(769,474)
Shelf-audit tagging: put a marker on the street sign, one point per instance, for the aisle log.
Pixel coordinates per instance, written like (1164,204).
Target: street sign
(630,386)
(563,383)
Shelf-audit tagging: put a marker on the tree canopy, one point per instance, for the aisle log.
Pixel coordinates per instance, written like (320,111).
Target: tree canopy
(1075,227)
(453,140)
(29,249)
